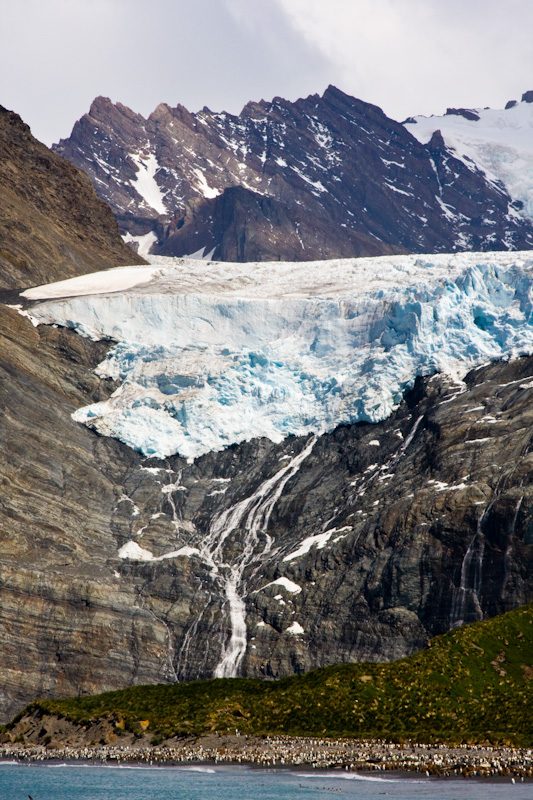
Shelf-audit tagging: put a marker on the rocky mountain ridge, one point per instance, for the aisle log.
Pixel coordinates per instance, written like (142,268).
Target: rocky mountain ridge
(380,535)
(323,177)
(52,224)
(498,141)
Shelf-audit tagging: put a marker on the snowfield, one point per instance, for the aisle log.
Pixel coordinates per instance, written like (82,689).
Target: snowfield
(214,354)
(499,143)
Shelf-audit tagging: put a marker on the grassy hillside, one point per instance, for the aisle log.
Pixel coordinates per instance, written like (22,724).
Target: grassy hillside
(474,684)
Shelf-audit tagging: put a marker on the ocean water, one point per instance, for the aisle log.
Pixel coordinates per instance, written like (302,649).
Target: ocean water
(89,782)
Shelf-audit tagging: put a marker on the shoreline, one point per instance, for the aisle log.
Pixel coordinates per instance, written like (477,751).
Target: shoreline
(310,753)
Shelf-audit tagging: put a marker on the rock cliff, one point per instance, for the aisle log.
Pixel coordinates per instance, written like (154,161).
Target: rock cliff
(379,536)
(384,535)
(323,177)
(52,224)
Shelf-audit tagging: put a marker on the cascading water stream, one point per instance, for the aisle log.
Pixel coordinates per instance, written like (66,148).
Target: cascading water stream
(251,516)
(507,556)
(459,593)
(471,572)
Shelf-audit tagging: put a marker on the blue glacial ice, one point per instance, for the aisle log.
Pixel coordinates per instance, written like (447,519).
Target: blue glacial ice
(214,354)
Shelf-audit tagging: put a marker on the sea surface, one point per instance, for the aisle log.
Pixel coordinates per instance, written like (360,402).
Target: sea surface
(88,782)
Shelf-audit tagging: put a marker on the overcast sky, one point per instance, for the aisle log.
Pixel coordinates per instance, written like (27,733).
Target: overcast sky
(407,56)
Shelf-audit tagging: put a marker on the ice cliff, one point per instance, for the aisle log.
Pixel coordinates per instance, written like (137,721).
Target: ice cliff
(214,354)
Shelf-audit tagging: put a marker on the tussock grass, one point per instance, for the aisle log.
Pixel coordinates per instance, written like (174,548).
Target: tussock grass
(473,684)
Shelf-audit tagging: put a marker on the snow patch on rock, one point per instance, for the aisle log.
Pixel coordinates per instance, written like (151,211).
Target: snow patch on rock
(287,584)
(295,629)
(145,183)
(134,552)
(499,143)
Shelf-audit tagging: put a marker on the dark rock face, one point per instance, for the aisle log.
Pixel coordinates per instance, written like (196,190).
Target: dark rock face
(385,535)
(422,522)
(323,177)
(241,225)
(61,604)
(467,113)
(52,224)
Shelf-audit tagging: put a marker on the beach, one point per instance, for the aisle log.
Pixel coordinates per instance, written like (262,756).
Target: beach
(302,752)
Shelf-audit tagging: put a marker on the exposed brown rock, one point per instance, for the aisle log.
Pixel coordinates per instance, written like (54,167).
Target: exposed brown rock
(52,224)
(67,623)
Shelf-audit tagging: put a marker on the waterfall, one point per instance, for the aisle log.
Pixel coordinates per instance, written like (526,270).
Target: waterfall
(471,570)
(251,516)
(509,549)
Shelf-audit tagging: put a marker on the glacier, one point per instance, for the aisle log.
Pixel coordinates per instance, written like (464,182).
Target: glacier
(212,354)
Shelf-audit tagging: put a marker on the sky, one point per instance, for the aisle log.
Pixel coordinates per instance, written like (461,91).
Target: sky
(407,56)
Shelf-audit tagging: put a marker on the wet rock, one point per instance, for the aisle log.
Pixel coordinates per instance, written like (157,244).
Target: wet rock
(391,533)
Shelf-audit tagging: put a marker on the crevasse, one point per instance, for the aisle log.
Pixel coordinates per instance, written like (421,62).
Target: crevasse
(214,354)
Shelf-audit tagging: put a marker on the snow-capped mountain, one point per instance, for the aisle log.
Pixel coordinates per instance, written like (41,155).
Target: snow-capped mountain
(497,142)
(323,177)
(312,543)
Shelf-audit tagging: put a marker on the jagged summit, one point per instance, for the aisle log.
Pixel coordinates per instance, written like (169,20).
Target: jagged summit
(281,552)
(324,176)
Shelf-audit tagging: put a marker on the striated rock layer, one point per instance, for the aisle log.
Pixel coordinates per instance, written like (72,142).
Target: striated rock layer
(381,535)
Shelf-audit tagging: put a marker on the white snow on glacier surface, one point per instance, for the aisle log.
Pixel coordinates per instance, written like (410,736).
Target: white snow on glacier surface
(110,280)
(213,354)
(500,143)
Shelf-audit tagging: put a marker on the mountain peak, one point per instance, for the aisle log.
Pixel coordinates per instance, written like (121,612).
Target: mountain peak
(100,104)
(331,176)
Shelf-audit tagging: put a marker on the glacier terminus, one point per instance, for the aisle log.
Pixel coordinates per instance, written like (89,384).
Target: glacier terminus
(213,354)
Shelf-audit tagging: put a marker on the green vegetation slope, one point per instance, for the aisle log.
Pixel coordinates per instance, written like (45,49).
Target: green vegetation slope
(474,684)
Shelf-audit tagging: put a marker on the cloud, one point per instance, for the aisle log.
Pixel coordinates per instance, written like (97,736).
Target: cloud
(409,56)
(60,54)
(417,56)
